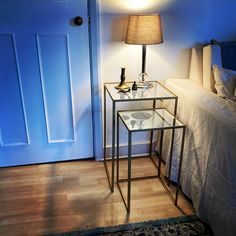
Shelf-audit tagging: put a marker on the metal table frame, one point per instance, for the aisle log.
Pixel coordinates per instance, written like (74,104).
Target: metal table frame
(114,102)
(159,174)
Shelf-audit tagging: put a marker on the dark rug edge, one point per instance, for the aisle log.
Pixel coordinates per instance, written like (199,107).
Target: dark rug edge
(132,226)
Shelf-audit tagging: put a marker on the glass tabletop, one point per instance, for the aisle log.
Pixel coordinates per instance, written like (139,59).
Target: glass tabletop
(149,119)
(157,91)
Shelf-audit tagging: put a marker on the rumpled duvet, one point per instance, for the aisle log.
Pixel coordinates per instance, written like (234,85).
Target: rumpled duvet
(208,173)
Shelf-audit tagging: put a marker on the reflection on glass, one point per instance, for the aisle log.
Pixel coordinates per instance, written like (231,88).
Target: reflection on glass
(125,117)
(140,118)
(133,122)
(149,119)
(122,96)
(142,93)
(134,94)
(141,115)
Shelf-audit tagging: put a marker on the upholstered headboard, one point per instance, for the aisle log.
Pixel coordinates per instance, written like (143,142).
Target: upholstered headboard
(202,60)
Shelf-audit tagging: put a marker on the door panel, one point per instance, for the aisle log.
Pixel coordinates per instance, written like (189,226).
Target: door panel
(13,122)
(45,90)
(53,54)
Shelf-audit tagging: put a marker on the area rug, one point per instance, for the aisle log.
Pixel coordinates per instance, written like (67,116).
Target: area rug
(183,225)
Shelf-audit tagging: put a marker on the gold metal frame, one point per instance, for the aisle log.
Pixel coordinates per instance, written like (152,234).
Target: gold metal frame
(112,177)
(159,175)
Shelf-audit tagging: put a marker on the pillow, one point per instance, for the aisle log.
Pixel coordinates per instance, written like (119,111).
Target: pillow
(225,82)
(195,73)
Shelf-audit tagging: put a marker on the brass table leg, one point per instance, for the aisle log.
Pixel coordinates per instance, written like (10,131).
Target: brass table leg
(129,169)
(113,145)
(160,154)
(127,203)
(172,143)
(180,166)
(111,176)
(105,139)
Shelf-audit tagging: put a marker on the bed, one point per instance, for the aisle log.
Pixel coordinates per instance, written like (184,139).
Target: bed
(209,159)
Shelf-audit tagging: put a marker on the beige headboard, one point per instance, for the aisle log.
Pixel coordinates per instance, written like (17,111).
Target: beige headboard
(202,60)
(195,73)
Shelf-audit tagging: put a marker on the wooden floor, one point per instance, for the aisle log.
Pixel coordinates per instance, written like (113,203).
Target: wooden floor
(49,198)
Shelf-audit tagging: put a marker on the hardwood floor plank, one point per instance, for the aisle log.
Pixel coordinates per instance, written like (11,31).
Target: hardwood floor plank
(59,197)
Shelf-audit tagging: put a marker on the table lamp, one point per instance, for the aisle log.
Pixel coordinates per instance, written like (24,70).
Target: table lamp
(144,30)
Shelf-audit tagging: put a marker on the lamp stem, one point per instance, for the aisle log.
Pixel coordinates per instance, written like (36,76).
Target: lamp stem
(143,58)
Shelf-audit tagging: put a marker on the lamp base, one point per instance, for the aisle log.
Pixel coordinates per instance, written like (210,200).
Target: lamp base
(146,85)
(143,77)
(143,81)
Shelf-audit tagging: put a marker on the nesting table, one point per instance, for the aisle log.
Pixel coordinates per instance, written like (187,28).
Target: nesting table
(155,93)
(141,121)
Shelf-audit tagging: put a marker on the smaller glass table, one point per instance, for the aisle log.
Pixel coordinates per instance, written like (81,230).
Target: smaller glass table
(147,120)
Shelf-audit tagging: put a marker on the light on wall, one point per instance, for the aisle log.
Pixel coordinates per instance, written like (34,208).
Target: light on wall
(138,4)
(134,5)
(144,30)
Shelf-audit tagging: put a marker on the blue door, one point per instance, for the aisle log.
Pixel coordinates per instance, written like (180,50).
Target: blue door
(45,90)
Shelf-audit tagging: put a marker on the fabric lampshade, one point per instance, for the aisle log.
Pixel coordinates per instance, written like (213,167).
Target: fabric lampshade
(144,30)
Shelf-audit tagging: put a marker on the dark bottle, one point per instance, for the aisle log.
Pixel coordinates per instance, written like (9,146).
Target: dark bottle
(134,86)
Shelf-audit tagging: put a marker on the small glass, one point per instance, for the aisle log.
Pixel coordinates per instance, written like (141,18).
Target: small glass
(143,81)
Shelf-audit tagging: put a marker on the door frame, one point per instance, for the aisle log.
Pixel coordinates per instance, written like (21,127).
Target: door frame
(96,98)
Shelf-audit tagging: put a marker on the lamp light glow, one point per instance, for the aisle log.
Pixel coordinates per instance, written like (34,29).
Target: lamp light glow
(134,5)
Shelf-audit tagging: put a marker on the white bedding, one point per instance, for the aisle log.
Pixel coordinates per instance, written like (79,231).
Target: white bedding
(209,160)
